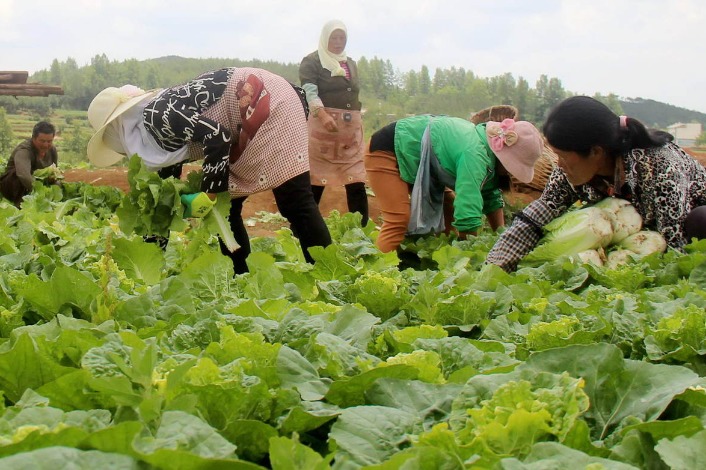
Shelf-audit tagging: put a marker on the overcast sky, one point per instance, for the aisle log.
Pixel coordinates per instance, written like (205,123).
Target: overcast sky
(652,49)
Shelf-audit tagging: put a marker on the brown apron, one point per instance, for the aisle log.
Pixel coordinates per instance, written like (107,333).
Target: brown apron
(336,158)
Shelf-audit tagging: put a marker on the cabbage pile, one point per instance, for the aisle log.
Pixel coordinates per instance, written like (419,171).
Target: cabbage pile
(608,233)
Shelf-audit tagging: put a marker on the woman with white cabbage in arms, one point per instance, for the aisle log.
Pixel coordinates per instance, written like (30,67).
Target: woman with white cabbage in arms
(602,155)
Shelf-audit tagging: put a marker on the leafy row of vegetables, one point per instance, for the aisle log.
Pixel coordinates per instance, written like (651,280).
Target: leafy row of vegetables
(115,353)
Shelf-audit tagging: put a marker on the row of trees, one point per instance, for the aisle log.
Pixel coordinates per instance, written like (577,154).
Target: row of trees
(6,134)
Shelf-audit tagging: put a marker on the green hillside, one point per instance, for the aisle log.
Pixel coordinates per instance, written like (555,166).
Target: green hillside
(660,115)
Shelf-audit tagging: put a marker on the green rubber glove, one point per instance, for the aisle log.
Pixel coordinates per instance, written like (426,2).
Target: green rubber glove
(197,204)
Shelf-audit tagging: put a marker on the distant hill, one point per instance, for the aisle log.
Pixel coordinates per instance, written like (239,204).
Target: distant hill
(660,115)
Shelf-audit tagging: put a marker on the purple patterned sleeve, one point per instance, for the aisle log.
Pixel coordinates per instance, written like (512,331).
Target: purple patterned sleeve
(526,229)
(521,237)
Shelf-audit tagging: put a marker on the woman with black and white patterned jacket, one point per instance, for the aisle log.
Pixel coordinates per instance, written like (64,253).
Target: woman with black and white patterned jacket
(600,155)
(247,124)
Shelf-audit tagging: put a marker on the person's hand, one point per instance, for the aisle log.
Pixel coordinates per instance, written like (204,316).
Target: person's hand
(327,121)
(49,174)
(55,175)
(466,235)
(197,204)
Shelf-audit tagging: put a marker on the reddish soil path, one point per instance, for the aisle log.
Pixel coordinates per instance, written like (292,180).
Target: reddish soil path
(334,198)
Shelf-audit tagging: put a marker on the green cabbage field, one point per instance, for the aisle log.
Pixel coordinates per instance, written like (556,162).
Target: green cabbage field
(116,354)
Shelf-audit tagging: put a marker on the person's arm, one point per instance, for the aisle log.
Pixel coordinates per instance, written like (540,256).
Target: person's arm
(216,141)
(312,96)
(496,219)
(23,168)
(493,202)
(527,226)
(468,204)
(465,235)
(308,77)
(518,240)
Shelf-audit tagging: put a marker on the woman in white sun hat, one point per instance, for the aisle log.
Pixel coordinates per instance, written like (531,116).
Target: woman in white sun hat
(247,124)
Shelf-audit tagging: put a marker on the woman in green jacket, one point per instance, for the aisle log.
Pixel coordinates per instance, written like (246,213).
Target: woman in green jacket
(426,156)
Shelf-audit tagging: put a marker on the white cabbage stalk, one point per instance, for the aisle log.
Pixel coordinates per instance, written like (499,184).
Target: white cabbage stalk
(595,257)
(645,242)
(619,257)
(573,232)
(623,215)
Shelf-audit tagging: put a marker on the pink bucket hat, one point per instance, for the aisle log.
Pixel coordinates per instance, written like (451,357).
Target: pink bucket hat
(517,144)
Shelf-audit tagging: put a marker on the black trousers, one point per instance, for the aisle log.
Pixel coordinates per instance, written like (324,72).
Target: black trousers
(295,201)
(356,198)
(695,224)
(11,188)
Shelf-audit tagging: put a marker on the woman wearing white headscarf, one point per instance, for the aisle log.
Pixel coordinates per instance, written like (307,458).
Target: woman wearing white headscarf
(330,79)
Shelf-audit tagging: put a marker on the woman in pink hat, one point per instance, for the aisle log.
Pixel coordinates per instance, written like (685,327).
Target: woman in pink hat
(423,156)
(247,124)
(601,155)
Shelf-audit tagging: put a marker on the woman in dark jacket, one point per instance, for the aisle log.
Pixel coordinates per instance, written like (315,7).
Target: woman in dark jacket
(330,79)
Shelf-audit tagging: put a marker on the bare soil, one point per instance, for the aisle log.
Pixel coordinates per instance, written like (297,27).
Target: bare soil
(258,224)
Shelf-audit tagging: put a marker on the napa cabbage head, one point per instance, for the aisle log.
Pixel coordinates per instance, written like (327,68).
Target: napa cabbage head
(645,242)
(595,257)
(619,257)
(623,216)
(575,231)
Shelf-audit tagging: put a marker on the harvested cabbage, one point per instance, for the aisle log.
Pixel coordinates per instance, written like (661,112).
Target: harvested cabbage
(619,257)
(49,173)
(595,257)
(645,242)
(571,233)
(623,216)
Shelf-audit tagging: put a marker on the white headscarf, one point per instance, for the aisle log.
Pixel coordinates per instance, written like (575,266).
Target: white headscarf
(329,60)
(127,135)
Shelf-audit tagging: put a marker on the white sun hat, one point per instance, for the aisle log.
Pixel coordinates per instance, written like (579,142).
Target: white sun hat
(104,109)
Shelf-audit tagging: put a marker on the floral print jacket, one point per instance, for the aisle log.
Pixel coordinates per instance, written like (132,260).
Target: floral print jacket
(663,183)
